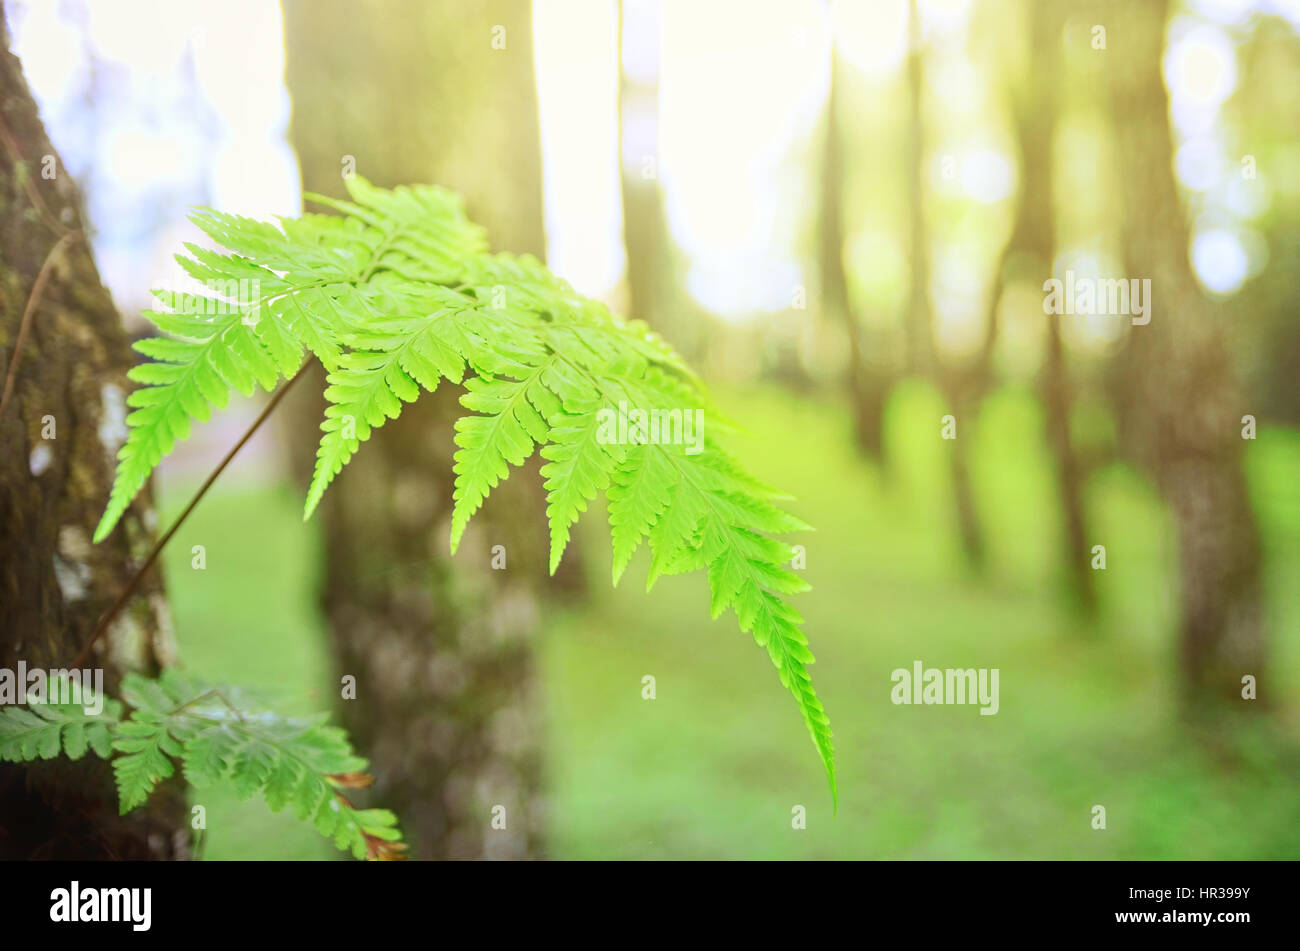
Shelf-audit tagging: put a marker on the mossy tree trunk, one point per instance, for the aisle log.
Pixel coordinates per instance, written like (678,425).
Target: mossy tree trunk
(1180,406)
(440,92)
(60,428)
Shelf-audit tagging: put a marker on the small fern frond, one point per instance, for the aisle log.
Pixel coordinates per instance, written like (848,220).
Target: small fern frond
(44,730)
(294,762)
(297,763)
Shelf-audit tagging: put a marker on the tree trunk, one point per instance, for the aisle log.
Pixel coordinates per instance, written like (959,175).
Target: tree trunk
(1180,407)
(1033,238)
(1070,470)
(867,384)
(922,354)
(441,648)
(61,424)
(645,226)
(920,325)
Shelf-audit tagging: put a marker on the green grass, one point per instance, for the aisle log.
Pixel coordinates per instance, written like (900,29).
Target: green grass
(715,764)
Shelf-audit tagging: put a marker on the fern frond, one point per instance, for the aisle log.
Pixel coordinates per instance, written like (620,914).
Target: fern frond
(294,762)
(299,763)
(46,730)
(397,293)
(304,285)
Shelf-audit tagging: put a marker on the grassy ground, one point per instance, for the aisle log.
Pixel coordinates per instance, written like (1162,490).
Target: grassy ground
(715,764)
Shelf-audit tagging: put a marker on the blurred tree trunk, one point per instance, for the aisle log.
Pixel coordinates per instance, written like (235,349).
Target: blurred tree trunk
(920,324)
(867,384)
(1029,252)
(922,354)
(61,426)
(650,283)
(431,91)
(1179,404)
(1071,473)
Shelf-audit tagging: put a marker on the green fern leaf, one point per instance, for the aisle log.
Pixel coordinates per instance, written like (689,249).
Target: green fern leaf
(398,292)
(393,360)
(310,283)
(46,730)
(193,373)
(642,487)
(297,762)
(144,749)
(489,444)
(579,468)
(208,756)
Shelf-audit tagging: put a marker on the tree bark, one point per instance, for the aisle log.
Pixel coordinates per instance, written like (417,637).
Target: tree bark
(1070,471)
(1030,248)
(922,354)
(868,386)
(1179,404)
(61,427)
(650,284)
(441,648)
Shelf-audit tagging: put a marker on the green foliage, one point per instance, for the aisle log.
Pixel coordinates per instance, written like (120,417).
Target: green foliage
(46,730)
(399,293)
(297,763)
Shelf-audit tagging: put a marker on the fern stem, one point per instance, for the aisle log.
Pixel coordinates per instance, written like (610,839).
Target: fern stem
(214,692)
(143,570)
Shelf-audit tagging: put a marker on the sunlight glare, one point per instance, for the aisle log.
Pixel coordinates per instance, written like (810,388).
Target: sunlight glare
(1220,260)
(738,93)
(871,36)
(575,48)
(1201,64)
